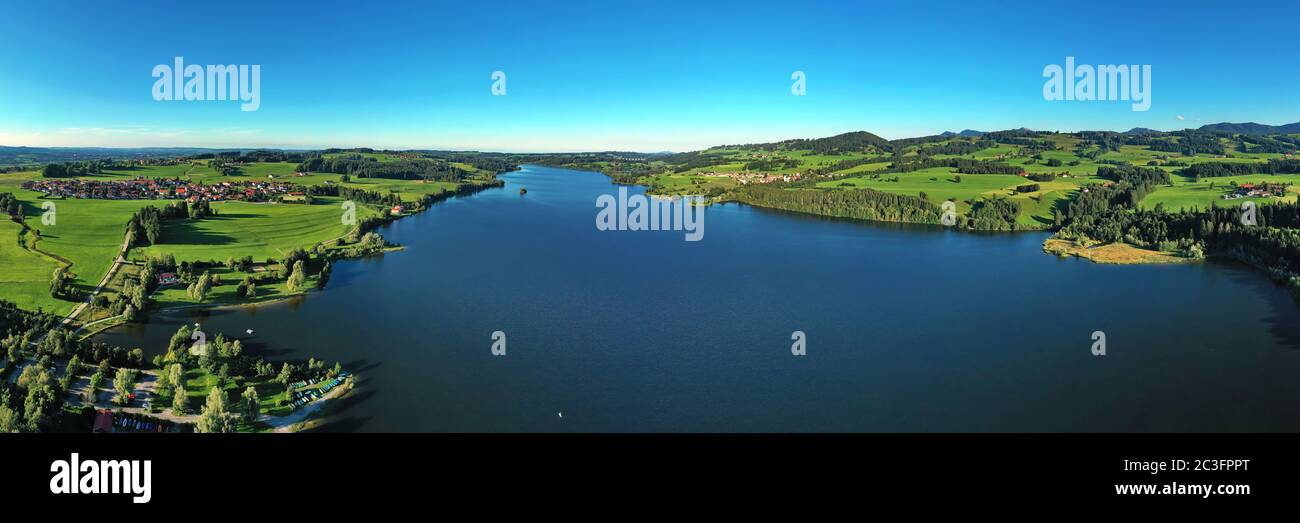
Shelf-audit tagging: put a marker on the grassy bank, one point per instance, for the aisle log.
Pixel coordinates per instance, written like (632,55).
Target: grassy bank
(1111,253)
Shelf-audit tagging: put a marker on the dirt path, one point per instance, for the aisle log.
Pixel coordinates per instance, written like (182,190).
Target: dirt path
(18,369)
(108,276)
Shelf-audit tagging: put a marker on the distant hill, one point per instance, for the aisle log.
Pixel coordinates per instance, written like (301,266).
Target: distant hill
(1252,128)
(857,141)
(37,155)
(968,133)
(1141,130)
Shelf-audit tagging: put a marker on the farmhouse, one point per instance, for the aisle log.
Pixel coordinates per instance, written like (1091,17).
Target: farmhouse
(1251,190)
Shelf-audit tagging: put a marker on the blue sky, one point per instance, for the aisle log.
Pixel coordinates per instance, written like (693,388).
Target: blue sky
(645,76)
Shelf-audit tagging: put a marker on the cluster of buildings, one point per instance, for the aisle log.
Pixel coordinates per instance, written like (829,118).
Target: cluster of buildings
(1246,190)
(747,177)
(161,189)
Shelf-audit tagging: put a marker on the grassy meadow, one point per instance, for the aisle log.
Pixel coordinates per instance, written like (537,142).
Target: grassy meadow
(939,184)
(1186,193)
(25,278)
(260,230)
(87,234)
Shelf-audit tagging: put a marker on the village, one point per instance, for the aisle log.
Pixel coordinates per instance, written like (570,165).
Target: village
(163,189)
(1253,190)
(748,177)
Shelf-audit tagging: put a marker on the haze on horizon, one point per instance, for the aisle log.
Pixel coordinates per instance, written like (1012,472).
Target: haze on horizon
(628,77)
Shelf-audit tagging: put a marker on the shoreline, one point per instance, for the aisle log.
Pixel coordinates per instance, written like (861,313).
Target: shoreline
(305,417)
(735,198)
(268,300)
(1111,253)
(1108,254)
(447,195)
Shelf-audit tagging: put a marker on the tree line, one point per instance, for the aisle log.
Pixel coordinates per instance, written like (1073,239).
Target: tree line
(957,147)
(962,165)
(400,169)
(1188,143)
(862,204)
(1220,169)
(1271,244)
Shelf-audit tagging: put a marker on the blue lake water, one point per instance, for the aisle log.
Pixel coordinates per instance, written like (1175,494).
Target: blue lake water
(908,328)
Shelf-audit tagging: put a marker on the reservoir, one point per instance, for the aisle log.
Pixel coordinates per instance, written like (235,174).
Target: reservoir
(906,328)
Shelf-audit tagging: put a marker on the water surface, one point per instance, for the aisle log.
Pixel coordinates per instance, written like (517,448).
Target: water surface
(908,328)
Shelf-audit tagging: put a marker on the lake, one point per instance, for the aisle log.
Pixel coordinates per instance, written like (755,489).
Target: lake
(908,328)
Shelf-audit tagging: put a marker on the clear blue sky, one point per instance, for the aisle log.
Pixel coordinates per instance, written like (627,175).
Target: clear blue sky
(644,76)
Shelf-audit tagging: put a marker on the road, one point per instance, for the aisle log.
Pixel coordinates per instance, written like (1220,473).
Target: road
(108,276)
(148,378)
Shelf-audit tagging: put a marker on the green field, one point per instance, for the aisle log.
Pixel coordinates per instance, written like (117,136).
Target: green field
(1037,208)
(260,230)
(681,184)
(938,184)
(224,294)
(87,234)
(1189,194)
(25,278)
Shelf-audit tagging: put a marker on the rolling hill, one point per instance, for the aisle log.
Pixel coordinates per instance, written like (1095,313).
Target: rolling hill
(1252,128)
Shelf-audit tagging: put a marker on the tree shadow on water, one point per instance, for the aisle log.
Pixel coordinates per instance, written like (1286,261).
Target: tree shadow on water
(344,425)
(336,423)
(1283,320)
(361,366)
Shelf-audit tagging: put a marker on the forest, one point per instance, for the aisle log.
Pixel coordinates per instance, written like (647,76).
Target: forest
(865,204)
(1272,243)
(403,169)
(1219,169)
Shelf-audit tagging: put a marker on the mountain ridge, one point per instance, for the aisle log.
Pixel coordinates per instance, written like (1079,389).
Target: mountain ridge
(1252,128)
